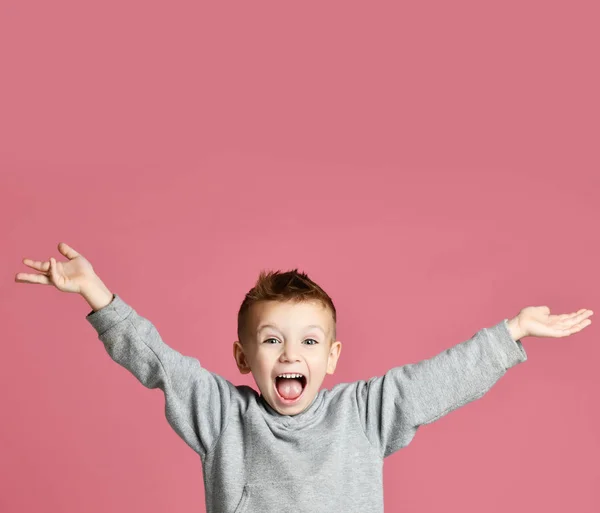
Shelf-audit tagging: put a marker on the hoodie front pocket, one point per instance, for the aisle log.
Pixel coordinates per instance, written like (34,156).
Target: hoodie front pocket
(300,496)
(241,507)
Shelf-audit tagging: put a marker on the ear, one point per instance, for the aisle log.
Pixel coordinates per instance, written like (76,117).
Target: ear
(334,353)
(240,357)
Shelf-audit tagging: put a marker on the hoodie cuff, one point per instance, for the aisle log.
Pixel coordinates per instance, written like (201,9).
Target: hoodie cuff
(511,351)
(104,319)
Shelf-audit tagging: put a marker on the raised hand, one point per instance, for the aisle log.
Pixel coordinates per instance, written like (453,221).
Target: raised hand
(69,276)
(536,321)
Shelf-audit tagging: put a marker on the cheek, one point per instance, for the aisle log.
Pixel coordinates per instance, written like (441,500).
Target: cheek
(263,365)
(318,363)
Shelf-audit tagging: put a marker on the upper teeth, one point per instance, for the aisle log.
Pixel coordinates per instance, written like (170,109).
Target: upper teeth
(289,376)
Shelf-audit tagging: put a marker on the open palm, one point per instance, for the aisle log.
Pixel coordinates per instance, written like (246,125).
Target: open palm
(536,321)
(66,276)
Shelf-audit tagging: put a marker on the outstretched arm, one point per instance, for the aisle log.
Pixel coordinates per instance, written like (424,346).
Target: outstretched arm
(196,400)
(393,406)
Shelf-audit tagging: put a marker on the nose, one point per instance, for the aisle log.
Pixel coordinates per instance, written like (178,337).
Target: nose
(288,353)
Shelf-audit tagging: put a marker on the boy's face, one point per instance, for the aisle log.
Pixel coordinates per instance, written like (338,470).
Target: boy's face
(288,337)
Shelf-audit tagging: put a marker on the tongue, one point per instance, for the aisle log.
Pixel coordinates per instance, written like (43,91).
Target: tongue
(289,388)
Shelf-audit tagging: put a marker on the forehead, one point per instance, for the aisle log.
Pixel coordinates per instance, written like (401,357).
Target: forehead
(289,315)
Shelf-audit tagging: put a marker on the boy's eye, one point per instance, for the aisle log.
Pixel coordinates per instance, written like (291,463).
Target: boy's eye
(312,339)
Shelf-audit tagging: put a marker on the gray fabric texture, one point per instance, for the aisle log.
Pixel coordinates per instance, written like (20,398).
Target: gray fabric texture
(328,458)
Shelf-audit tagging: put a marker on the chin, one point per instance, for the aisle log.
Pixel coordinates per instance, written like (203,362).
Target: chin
(291,410)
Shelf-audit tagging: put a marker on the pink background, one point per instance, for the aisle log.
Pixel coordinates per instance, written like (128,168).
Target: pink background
(434,168)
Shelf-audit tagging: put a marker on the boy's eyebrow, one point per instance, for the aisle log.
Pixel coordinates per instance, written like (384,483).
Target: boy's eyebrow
(263,326)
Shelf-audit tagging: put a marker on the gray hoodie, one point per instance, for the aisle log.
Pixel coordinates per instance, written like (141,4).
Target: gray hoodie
(328,458)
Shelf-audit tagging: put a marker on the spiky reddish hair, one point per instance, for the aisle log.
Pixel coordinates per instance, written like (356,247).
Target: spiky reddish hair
(283,286)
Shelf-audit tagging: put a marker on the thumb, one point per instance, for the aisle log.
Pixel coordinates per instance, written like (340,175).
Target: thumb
(67,250)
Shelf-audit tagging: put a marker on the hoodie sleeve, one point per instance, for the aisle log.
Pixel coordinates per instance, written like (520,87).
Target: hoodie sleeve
(393,406)
(196,400)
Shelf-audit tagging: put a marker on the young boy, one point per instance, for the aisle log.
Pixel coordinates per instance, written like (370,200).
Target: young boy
(294,446)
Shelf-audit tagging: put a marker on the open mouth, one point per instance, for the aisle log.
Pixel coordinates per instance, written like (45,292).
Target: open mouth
(290,387)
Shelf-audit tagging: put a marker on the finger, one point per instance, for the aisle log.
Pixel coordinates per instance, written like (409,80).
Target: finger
(52,270)
(579,327)
(574,320)
(568,317)
(67,251)
(32,278)
(569,330)
(37,265)
(582,314)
